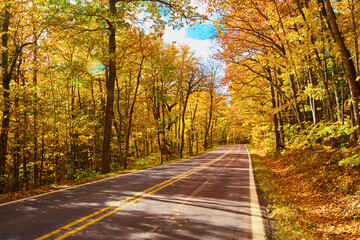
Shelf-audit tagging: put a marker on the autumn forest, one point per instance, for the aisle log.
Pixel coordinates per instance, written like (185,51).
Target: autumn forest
(86,90)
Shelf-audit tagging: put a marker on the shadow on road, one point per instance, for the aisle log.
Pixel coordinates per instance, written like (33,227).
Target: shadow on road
(212,203)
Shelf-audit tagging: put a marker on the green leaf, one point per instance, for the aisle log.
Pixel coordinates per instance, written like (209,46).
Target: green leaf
(351,161)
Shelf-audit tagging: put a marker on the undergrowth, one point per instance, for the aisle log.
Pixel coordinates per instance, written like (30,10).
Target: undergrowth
(310,194)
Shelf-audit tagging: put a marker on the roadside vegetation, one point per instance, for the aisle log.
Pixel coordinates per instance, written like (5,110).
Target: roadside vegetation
(310,194)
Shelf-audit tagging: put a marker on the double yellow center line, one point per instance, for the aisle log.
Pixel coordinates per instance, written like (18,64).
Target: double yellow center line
(105,212)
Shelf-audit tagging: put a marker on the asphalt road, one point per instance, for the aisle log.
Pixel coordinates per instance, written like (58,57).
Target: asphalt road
(212,196)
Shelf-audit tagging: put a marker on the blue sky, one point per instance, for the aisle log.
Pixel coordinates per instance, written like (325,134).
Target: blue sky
(201,31)
(200,38)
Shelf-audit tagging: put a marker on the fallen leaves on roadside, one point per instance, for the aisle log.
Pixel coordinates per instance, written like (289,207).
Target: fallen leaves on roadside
(311,195)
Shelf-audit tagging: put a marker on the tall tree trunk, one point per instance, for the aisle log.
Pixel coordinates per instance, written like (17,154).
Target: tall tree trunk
(163,133)
(313,102)
(110,86)
(192,130)
(348,63)
(325,78)
(278,145)
(72,134)
(210,118)
(278,82)
(42,155)
(197,142)
(296,104)
(160,147)
(212,133)
(118,126)
(182,144)
(94,140)
(129,125)
(16,155)
(338,104)
(25,151)
(6,88)
(356,40)
(35,120)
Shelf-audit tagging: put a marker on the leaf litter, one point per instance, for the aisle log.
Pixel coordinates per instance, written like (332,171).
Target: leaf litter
(309,195)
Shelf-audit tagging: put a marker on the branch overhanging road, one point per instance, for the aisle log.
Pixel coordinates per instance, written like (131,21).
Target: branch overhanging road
(212,196)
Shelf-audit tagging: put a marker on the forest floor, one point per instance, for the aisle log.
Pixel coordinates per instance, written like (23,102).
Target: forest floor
(309,195)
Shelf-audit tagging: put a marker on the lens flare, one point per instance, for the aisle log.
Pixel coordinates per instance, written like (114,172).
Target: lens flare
(96,68)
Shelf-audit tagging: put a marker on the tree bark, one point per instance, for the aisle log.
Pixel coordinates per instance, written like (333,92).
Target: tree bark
(110,86)
(129,125)
(348,63)
(192,129)
(6,88)
(278,145)
(312,101)
(183,124)
(296,104)
(356,40)
(35,113)
(210,117)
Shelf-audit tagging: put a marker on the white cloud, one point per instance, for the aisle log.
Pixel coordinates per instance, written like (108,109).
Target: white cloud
(202,48)
(201,6)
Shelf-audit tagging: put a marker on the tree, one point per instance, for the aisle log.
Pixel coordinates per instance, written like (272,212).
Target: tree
(287,46)
(346,57)
(210,72)
(74,70)
(189,81)
(176,8)
(16,26)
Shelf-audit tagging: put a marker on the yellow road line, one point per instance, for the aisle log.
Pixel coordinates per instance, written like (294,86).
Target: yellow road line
(137,197)
(105,209)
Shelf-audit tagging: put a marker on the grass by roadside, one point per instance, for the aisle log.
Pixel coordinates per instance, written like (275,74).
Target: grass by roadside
(134,165)
(309,195)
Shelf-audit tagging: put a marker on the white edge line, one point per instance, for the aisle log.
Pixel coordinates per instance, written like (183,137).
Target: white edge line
(101,180)
(257,224)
